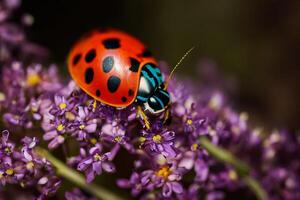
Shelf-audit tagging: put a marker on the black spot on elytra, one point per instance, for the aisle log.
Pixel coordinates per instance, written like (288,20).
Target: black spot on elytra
(111,43)
(134,65)
(98,93)
(108,64)
(89,75)
(76,59)
(130,92)
(124,99)
(91,54)
(113,83)
(146,53)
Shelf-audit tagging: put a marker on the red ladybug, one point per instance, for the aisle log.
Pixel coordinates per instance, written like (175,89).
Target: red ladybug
(117,69)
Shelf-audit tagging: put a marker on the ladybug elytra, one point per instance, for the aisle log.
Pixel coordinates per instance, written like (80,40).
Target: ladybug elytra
(117,69)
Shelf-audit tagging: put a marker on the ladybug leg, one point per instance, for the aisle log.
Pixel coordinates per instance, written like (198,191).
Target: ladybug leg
(166,115)
(143,116)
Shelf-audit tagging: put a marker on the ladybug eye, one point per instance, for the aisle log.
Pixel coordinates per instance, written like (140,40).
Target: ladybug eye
(158,102)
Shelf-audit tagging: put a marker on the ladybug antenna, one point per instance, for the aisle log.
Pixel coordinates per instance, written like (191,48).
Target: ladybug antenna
(177,65)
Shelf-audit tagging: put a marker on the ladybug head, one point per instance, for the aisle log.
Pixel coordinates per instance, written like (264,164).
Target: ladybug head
(158,102)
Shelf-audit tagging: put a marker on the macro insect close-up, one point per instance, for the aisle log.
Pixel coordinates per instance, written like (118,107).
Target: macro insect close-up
(118,72)
(149,100)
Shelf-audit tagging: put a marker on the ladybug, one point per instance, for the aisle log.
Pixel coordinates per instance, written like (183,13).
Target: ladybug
(117,69)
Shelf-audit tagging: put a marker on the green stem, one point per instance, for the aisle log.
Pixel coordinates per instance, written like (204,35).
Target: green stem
(241,168)
(255,187)
(77,178)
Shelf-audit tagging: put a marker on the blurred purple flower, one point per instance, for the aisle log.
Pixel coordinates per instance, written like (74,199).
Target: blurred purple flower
(77,194)
(134,183)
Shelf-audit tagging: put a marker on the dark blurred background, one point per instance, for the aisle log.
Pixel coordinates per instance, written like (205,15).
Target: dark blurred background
(255,43)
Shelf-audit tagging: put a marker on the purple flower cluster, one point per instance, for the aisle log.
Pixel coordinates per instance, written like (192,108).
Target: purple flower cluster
(14,44)
(25,93)
(168,160)
(20,165)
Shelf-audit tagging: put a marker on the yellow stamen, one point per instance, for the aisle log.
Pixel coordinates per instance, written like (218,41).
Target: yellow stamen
(33,79)
(232,175)
(9,171)
(34,109)
(244,116)
(60,127)
(62,106)
(7,150)
(118,139)
(97,157)
(93,140)
(30,165)
(163,172)
(22,184)
(94,104)
(142,139)
(2,96)
(194,147)
(82,126)
(70,116)
(156,138)
(189,122)
(215,102)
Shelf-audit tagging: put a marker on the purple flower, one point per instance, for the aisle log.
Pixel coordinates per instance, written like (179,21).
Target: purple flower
(164,178)
(167,178)
(134,183)
(191,193)
(160,142)
(28,156)
(168,160)
(49,186)
(94,161)
(84,124)
(61,106)
(202,170)
(116,133)
(24,100)
(55,131)
(24,167)
(6,147)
